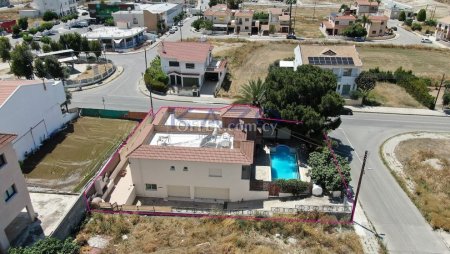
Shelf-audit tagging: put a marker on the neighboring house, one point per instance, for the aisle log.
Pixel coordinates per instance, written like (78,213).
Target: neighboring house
(7,25)
(242,22)
(4,3)
(188,64)
(117,39)
(32,111)
(377,25)
(221,17)
(206,162)
(364,7)
(14,192)
(155,17)
(343,61)
(337,23)
(392,9)
(60,7)
(443,29)
(278,22)
(102,11)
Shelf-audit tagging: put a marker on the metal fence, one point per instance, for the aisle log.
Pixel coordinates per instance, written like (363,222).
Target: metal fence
(90,81)
(215,211)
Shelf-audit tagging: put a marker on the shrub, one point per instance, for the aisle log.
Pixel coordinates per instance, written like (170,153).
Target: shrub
(430,22)
(33,30)
(422,15)
(49,15)
(408,22)
(46,48)
(356,94)
(109,22)
(294,186)
(46,39)
(402,16)
(416,26)
(49,245)
(356,30)
(446,98)
(46,25)
(27,38)
(157,86)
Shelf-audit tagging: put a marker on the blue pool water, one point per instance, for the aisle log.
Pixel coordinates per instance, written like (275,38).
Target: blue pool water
(283,163)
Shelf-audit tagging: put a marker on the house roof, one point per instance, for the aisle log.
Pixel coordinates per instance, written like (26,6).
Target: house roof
(186,51)
(340,16)
(366,2)
(244,13)
(445,20)
(6,139)
(218,10)
(276,11)
(326,51)
(7,88)
(378,18)
(243,155)
(241,111)
(284,18)
(157,8)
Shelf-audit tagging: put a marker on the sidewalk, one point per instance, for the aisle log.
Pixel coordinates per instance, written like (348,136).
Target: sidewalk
(200,100)
(117,73)
(399,111)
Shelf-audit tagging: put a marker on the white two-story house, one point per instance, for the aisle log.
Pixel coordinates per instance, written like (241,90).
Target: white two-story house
(188,64)
(60,7)
(343,61)
(15,196)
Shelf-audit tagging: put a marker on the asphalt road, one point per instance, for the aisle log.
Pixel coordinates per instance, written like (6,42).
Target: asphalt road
(395,217)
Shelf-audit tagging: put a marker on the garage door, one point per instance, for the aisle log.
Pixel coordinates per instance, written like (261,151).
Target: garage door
(178,191)
(187,81)
(212,193)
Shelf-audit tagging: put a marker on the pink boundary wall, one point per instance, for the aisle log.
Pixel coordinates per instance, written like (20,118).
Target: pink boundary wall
(193,215)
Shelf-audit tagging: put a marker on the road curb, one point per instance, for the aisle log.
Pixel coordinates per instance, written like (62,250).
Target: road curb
(119,70)
(144,91)
(395,113)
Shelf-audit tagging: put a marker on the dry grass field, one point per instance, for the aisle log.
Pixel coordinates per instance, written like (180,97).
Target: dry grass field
(427,163)
(192,235)
(68,160)
(392,95)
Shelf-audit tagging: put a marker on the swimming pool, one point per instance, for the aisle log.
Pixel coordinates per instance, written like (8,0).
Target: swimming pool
(283,163)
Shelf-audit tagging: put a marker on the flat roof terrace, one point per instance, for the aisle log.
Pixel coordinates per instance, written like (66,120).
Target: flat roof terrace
(202,140)
(172,120)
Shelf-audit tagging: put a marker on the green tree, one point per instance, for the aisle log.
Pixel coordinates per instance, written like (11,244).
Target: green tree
(71,41)
(260,15)
(46,39)
(251,93)
(15,31)
(416,26)
(307,94)
(46,26)
(27,38)
(49,245)
(55,46)
(96,48)
(294,186)
(446,98)
(46,48)
(54,68)
(325,173)
(366,82)
(207,25)
(23,23)
(402,16)
(49,15)
(211,3)
(364,20)
(22,61)
(355,30)
(85,46)
(343,7)
(155,78)
(35,46)
(5,48)
(39,70)
(109,22)
(408,22)
(422,15)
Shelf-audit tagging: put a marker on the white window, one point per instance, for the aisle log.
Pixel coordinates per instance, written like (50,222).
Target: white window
(190,66)
(10,192)
(215,172)
(347,72)
(151,187)
(2,160)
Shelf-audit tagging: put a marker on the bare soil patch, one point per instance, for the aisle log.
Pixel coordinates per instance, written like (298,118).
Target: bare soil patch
(426,162)
(90,73)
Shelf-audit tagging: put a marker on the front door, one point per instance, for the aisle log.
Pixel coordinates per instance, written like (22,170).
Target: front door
(346,89)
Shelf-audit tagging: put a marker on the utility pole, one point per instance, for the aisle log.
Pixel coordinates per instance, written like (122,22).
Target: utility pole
(439,91)
(149,87)
(314,10)
(359,186)
(181,30)
(290,17)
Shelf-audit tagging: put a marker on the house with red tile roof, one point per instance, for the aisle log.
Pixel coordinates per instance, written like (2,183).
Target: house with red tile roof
(364,7)
(193,154)
(190,64)
(377,25)
(337,23)
(31,110)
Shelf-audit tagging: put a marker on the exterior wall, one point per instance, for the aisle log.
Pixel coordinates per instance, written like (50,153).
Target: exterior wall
(243,24)
(151,22)
(219,19)
(37,114)
(366,10)
(376,28)
(133,19)
(11,174)
(442,31)
(199,67)
(158,172)
(61,7)
(346,80)
(170,14)
(29,13)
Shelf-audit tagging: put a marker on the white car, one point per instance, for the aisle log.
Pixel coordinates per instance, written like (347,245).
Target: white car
(426,40)
(175,28)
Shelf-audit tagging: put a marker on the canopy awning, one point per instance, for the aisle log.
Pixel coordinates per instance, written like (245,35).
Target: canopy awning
(220,25)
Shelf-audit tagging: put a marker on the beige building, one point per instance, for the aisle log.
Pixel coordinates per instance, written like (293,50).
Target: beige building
(15,197)
(377,25)
(364,7)
(337,23)
(243,21)
(278,20)
(221,17)
(443,29)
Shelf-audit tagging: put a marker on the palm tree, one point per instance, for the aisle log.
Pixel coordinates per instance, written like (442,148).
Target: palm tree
(290,2)
(251,93)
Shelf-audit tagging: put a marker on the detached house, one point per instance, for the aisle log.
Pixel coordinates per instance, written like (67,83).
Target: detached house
(443,29)
(189,64)
(364,7)
(278,20)
(221,17)
(377,25)
(242,22)
(337,23)
(343,61)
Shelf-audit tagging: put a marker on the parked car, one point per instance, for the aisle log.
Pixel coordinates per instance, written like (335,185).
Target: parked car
(180,24)
(359,39)
(426,40)
(80,24)
(291,36)
(172,31)
(394,28)
(346,111)
(175,28)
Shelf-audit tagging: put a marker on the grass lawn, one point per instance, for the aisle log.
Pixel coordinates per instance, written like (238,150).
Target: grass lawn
(194,235)
(426,162)
(69,159)
(392,95)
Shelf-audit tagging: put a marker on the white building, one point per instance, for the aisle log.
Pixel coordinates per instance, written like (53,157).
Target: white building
(392,9)
(32,111)
(343,61)
(205,162)
(117,39)
(14,192)
(60,7)
(187,63)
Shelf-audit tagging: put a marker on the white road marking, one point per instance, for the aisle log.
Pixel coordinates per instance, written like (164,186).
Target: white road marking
(345,135)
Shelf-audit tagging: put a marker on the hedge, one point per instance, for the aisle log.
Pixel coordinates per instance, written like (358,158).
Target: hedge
(294,186)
